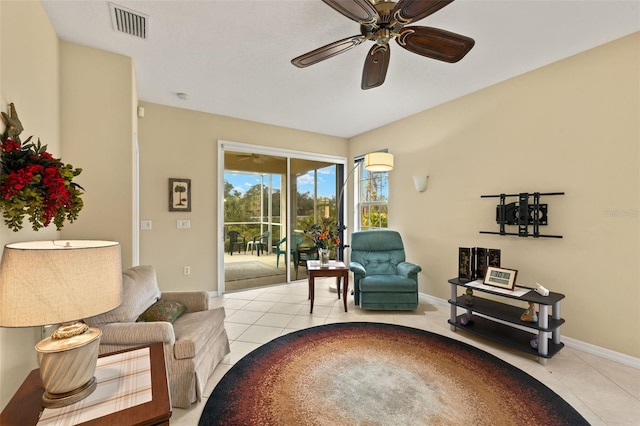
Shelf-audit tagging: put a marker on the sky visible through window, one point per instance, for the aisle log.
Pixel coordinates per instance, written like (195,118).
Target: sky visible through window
(326,181)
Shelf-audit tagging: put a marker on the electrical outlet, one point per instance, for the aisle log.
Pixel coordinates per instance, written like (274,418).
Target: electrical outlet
(187,270)
(183,224)
(145,224)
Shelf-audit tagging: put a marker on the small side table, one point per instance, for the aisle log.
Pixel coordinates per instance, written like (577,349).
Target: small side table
(334,269)
(25,407)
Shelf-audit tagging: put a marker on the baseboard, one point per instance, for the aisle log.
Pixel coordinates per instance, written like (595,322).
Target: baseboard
(572,343)
(212,293)
(602,352)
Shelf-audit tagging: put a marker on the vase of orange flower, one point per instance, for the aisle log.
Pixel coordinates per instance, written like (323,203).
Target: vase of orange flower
(324,256)
(326,238)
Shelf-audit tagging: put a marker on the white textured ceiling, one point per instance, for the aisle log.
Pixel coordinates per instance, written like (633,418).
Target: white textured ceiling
(232,57)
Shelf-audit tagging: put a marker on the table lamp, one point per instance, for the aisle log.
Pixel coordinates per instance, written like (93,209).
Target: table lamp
(61,282)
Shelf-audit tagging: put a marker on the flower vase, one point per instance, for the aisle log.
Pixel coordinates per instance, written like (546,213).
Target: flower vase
(324,257)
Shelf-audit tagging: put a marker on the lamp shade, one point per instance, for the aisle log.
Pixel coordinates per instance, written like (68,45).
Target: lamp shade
(378,162)
(52,282)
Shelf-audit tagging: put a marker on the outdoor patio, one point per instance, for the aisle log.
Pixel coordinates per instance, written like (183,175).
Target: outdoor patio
(245,270)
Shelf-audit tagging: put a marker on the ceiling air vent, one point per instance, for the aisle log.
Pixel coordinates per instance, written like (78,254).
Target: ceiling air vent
(129,21)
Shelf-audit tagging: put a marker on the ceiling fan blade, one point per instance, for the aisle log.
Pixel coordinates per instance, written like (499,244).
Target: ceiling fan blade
(407,11)
(435,43)
(328,51)
(375,66)
(361,11)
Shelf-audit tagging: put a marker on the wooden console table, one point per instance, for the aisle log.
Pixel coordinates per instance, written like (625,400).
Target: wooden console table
(25,408)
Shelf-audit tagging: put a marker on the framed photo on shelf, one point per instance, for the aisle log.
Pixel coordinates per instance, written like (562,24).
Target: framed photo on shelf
(179,195)
(501,277)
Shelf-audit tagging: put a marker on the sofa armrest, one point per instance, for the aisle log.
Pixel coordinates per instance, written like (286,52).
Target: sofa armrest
(137,333)
(194,300)
(357,268)
(407,269)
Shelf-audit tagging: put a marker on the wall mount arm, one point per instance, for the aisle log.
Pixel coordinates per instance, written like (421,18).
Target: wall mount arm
(522,213)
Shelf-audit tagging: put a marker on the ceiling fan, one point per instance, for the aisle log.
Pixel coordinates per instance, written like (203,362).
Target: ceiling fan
(255,158)
(383,20)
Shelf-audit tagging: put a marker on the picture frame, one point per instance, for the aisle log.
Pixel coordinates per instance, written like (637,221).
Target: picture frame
(179,195)
(501,277)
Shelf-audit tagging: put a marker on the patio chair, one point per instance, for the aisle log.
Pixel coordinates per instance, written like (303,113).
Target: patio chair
(260,242)
(302,255)
(236,240)
(281,247)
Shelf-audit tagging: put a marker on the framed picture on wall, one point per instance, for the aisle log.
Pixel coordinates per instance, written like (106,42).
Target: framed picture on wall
(501,277)
(179,195)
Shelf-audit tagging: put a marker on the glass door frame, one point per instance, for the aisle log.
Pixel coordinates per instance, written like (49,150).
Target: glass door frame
(223,146)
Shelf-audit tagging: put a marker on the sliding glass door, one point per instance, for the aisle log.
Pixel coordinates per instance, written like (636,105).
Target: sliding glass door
(313,194)
(270,198)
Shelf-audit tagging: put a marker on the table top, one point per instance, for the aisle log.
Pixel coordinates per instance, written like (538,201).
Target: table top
(25,408)
(314,265)
(529,296)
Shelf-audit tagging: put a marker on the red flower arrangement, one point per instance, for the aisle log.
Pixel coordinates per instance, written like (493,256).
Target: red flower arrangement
(33,183)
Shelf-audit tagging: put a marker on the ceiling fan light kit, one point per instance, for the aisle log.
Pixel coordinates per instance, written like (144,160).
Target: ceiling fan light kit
(381,21)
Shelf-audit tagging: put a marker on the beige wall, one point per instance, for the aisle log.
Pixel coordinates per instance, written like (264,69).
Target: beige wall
(81,103)
(178,143)
(28,78)
(97,127)
(572,126)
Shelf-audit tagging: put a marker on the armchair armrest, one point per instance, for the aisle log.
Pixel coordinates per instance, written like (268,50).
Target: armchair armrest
(137,333)
(194,300)
(357,268)
(407,268)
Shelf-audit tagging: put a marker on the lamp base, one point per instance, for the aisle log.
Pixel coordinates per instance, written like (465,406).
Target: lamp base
(52,400)
(67,366)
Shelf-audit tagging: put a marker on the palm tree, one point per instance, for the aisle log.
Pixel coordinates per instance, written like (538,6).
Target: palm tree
(180,189)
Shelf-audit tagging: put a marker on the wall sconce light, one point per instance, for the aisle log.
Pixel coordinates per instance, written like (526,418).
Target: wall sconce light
(420,182)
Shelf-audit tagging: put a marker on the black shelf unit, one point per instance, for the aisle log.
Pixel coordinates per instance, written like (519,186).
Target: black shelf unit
(495,320)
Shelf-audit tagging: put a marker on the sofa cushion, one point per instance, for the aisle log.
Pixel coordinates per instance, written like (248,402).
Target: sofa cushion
(139,291)
(163,310)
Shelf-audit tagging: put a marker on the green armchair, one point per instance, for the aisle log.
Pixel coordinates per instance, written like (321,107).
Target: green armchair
(383,279)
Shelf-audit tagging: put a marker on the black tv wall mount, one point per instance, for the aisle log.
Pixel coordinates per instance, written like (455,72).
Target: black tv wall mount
(526,212)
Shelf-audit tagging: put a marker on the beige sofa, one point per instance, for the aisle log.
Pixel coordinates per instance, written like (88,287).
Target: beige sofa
(193,345)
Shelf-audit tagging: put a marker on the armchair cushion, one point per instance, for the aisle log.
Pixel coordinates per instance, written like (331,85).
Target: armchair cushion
(140,291)
(390,283)
(191,335)
(163,310)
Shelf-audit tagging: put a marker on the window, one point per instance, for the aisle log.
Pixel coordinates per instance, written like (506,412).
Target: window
(373,199)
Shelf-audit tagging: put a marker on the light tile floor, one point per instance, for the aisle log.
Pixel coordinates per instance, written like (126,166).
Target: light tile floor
(603,391)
